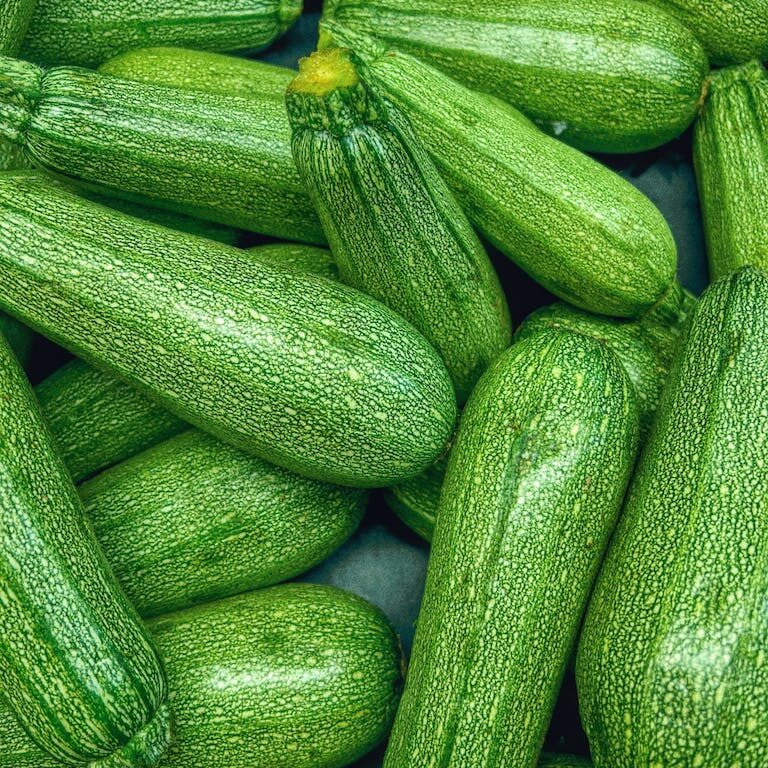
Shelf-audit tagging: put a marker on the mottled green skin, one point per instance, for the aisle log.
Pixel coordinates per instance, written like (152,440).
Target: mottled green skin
(602,75)
(551,760)
(297,676)
(672,667)
(731,32)
(193,520)
(18,336)
(88,32)
(534,484)
(299,370)
(731,160)
(225,159)
(579,229)
(304,258)
(76,665)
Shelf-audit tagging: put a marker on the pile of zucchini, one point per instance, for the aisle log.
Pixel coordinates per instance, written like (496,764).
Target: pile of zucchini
(593,480)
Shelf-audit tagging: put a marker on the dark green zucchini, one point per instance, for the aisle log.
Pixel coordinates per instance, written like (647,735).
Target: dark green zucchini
(76,665)
(602,75)
(395,230)
(551,760)
(534,484)
(225,159)
(18,336)
(299,370)
(579,229)
(671,667)
(730,154)
(88,32)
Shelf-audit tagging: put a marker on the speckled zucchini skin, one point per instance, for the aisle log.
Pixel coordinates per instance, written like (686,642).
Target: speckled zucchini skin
(731,160)
(602,75)
(226,159)
(395,230)
(88,32)
(76,665)
(304,258)
(299,370)
(579,229)
(193,520)
(671,668)
(296,676)
(534,483)
(18,336)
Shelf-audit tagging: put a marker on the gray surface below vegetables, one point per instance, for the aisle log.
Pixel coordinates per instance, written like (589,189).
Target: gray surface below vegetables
(386,563)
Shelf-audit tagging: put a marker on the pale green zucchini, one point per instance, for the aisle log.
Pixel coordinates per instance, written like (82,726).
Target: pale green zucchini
(88,32)
(299,370)
(602,75)
(76,666)
(730,153)
(18,336)
(304,258)
(579,229)
(224,159)
(394,228)
(671,667)
(534,484)
(296,676)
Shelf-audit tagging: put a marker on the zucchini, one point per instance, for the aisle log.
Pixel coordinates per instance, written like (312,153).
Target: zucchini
(18,336)
(76,665)
(731,160)
(395,230)
(579,229)
(671,666)
(87,32)
(193,520)
(602,75)
(224,159)
(304,258)
(302,371)
(296,676)
(550,760)
(534,484)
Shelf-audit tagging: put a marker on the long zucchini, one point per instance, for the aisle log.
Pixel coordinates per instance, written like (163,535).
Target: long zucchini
(296,676)
(76,666)
(395,230)
(671,667)
(302,371)
(579,229)
(534,484)
(88,32)
(731,160)
(226,159)
(602,75)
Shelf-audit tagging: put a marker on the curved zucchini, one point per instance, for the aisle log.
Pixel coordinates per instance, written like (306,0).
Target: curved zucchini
(224,159)
(579,229)
(76,666)
(731,160)
(18,336)
(602,75)
(193,520)
(671,666)
(395,230)
(87,32)
(301,371)
(296,676)
(534,483)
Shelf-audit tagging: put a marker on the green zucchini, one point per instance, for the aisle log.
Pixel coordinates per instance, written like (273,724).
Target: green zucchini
(395,230)
(731,32)
(551,760)
(87,32)
(731,160)
(18,336)
(671,666)
(579,229)
(602,75)
(76,666)
(304,258)
(296,676)
(224,159)
(193,520)
(534,483)
(302,371)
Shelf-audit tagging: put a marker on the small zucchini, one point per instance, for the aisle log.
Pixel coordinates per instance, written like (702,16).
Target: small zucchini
(731,160)
(671,666)
(534,484)
(76,665)
(394,228)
